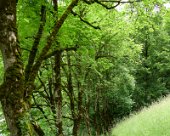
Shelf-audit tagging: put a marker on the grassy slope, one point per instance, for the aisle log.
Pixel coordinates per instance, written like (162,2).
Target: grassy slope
(152,121)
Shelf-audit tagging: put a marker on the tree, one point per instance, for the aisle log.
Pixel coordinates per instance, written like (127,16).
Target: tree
(12,90)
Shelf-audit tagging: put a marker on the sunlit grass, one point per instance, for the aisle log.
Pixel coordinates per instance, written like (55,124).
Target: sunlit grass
(152,121)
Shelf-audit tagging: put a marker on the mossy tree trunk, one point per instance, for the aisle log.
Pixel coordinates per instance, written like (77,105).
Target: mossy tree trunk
(58,93)
(12,90)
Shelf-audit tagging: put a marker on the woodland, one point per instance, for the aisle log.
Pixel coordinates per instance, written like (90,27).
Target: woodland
(77,67)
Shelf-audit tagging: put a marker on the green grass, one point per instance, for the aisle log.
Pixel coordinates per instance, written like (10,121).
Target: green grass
(152,121)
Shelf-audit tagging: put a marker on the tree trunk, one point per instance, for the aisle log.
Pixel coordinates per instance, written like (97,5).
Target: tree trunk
(58,93)
(12,90)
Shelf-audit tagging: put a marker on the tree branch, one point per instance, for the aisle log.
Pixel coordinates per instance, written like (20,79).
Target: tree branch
(38,129)
(106,6)
(111,1)
(59,50)
(119,1)
(88,1)
(34,49)
(55,2)
(85,21)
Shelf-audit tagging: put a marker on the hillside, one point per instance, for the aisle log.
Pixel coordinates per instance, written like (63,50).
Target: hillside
(152,121)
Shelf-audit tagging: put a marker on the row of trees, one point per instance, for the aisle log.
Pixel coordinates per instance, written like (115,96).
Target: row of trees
(84,65)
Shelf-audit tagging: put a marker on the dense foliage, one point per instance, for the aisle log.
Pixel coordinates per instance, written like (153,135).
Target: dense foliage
(103,64)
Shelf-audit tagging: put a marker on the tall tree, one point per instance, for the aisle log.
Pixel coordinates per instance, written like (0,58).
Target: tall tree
(12,90)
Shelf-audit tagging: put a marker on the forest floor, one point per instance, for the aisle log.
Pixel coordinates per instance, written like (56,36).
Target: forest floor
(151,121)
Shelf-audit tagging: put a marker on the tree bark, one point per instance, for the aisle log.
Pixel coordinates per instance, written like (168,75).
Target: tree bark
(12,90)
(58,93)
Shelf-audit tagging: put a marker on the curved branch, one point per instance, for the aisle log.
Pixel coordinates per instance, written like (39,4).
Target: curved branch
(85,21)
(106,6)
